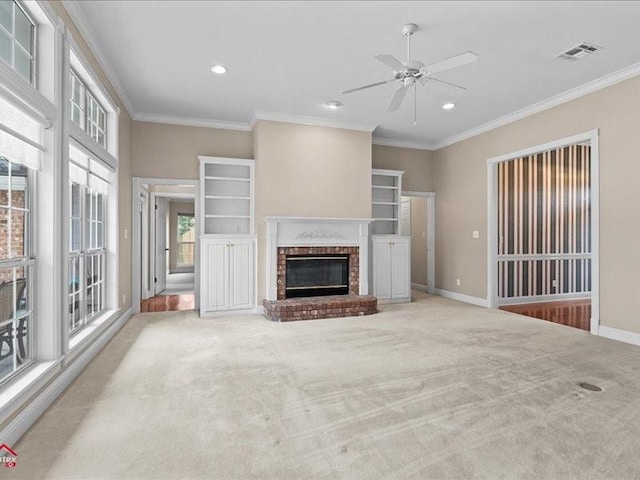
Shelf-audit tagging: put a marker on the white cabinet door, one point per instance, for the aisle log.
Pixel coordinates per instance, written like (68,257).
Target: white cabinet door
(241,274)
(227,274)
(381,268)
(214,293)
(400,269)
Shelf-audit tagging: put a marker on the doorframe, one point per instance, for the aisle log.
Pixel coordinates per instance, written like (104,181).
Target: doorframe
(431,235)
(592,136)
(136,185)
(145,241)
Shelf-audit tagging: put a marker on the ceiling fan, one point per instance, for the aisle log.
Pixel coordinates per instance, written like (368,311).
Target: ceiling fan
(412,72)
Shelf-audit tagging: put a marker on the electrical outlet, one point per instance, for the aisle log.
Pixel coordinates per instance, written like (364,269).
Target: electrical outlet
(126,233)
(124,298)
(476,234)
(458,282)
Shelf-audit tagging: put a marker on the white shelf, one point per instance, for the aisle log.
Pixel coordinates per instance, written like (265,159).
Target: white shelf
(230,179)
(386,188)
(225,197)
(227,189)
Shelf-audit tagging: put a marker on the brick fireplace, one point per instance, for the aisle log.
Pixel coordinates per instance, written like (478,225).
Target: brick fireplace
(291,239)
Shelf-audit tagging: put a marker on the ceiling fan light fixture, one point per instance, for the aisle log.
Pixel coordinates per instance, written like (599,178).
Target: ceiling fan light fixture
(219,69)
(333,104)
(448,106)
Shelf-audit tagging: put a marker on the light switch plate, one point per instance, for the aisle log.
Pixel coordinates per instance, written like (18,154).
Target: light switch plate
(476,234)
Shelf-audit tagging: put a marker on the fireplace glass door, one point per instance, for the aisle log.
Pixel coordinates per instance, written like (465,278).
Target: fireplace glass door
(317,275)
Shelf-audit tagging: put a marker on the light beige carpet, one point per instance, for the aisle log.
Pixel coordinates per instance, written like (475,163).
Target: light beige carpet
(435,389)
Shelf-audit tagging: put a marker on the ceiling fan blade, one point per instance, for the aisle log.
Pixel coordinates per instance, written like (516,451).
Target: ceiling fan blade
(397,99)
(391,61)
(366,86)
(448,88)
(452,62)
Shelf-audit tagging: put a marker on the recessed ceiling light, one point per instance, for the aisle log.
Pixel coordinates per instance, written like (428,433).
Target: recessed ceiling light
(219,69)
(448,106)
(333,104)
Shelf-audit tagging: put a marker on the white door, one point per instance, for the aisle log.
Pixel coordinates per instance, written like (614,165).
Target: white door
(214,294)
(241,274)
(382,268)
(160,274)
(400,269)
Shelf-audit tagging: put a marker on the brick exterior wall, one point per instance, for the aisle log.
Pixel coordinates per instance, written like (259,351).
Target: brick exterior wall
(17,230)
(354,265)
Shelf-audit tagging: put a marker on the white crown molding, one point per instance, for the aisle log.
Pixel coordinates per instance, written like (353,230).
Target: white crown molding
(80,20)
(391,142)
(191,122)
(585,89)
(304,120)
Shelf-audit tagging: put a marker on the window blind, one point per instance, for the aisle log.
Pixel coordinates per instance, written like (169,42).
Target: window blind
(21,135)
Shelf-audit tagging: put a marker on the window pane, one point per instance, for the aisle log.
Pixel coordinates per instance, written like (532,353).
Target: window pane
(18,233)
(5,47)
(15,320)
(75,114)
(23,30)
(22,63)
(186,228)
(6,14)
(100,207)
(5,238)
(186,253)
(74,293)
(75,200)
(4,181)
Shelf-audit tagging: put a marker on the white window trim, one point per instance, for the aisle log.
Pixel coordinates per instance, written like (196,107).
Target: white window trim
(76,60)
(92,82)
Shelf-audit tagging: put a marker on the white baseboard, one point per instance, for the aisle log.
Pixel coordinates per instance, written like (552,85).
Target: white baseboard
(560,297)
(36,407)
(387,301)
(619,335)
(420,287)
(461,297)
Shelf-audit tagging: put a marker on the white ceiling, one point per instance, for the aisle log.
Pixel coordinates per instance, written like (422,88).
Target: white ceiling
(291,57)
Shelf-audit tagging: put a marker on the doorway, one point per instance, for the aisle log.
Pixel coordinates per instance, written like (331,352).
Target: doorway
(543,219)
(165,253)
(417,220)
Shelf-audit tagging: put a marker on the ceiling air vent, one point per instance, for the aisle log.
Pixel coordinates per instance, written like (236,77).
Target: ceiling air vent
(579,51)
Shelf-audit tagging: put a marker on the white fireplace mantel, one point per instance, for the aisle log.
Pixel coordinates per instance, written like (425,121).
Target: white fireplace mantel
(316,232)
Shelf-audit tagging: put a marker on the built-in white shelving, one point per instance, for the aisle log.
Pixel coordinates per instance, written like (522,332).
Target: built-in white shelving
(386,189)
(227,196)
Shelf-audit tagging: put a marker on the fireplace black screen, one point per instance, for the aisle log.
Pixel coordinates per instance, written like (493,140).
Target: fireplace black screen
(317,275)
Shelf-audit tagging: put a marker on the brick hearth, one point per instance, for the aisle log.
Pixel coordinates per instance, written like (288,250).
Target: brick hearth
(310,308)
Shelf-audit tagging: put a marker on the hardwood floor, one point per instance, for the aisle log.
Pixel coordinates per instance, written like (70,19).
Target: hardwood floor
(168,303)
(573,313)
